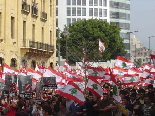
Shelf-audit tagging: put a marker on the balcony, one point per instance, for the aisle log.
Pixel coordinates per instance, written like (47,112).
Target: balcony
(43,16)
(34,10)
(37,45)
(25,7)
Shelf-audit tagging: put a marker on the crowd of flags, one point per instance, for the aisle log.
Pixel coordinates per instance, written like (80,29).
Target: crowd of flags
(72,83)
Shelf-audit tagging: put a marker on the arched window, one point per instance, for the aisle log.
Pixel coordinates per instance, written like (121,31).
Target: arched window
(13,62)
(33,64)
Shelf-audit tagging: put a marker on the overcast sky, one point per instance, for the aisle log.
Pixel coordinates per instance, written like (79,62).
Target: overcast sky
(143,20)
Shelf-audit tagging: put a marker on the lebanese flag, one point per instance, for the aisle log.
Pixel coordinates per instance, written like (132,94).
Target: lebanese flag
(23,71)
(153,59)
(147,66)
(40,68)
(50,72)
(73,92)
(119,71)
(134,70)
(94,87)
(66,66)
(73,77)
(9,71)
(36,74)
(123,63)
(1,71)
(131,79)
(101,46)
(96,72)
(146,73)
(115,87)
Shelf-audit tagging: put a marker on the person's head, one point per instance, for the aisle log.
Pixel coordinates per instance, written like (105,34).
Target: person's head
(141,93)
(46,110)
(132,96)
(62,105)
(147,99)
(125,100)
(133,91)
(38,106)
(123,94)
(150,88)
(53,102)
(90,97)
(105,96)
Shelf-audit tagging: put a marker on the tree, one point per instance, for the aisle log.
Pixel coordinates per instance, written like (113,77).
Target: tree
(82,41)
(138,62)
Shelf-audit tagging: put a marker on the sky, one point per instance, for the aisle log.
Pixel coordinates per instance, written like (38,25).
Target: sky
(143,20)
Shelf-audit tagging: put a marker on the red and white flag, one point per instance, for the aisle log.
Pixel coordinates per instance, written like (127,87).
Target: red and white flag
(73,92)
(123,63)
(153,59)
(119,71)
(101,46)
(131,79)
(23,71)
(94,87)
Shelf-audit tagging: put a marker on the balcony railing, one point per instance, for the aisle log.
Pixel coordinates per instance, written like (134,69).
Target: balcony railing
(25,7)
(34,10)
(43,16)
(37,45)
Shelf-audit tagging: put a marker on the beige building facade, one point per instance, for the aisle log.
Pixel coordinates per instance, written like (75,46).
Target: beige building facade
(28,33)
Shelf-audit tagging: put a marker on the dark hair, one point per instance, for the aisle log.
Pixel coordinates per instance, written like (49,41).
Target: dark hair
(141,90)
(63,103)
(127,98)
(150,86)
(47,109)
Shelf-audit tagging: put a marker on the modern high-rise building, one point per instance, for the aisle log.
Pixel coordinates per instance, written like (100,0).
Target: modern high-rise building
(120,15)
(28,33)
(112,11)
(69,11)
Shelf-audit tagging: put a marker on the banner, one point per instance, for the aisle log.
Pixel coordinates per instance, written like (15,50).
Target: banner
(49,82)
(38,92)
(10,87)
(25,86)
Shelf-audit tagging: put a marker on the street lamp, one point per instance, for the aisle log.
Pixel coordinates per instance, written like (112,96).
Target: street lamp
(58,36)
(150,46)
(66,34)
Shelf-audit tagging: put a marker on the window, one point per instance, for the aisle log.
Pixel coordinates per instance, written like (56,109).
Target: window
(83,11)
(83,2)
(12,27)
(105,12)
(57,22)
(42,34)
(73,11)
(0,24)
(100,2)
(90,2)
(105,3)
(100,12)
(57,2)
(50,37)
(68,11)
(24,31)
(51,8)
(73,20)
(78,11)
(78,19)
(56,11)
(96,12)
(95,2)
(68,21)
(79,2)
(73,2)
(33,32)
(90,11)
(68,2)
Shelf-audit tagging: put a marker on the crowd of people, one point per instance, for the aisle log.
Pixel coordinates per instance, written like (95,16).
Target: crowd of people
(134,102)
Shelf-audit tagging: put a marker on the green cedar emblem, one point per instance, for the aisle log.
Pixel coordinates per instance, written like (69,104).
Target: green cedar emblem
(120,72)
(114,90)
(124,65)
(94,86)
(73,91)
(132,79)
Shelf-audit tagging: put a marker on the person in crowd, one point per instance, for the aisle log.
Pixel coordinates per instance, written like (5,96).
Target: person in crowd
(105,106)
(141,93)
(68,103)
(90,105)
(148,107)
(37,110)
(150,91)
(63,111)
(133,100)
(77,110)
(46,110)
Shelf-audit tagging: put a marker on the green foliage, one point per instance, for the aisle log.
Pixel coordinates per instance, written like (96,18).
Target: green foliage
(83,41)
(138,62)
